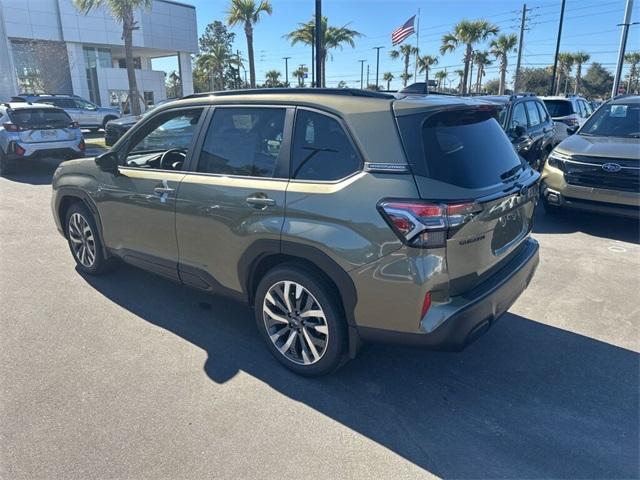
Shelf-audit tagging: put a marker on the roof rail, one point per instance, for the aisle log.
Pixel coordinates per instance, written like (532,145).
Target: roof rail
(522,94)
(353,92)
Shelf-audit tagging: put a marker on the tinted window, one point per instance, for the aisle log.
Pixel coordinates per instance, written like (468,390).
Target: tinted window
(59,102)
(40,118)
(543,112)
(467,149)
(534,117)
(559,108)
(620,120)
(321,149)
(518,117)
(84,105)
(587,107)
(243,141)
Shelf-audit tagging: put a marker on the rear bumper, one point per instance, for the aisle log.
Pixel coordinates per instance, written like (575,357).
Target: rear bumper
(470,315)
(67,150)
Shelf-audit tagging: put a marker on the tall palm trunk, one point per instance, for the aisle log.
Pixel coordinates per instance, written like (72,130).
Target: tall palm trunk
(248,31)
(479,78)
(127,34)
(426,77)
(503,74)
(578,73)
(467,61)
(388,85)
(406,69)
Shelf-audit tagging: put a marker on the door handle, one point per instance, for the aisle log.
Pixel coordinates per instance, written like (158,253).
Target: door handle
(163,190)
(260,201)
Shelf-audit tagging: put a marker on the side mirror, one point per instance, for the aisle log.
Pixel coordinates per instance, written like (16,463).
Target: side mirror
(107,162)
(519,131)
(572,130)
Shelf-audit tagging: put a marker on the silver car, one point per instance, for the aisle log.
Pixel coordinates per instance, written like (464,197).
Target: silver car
(87,114)
(32,130)
(568,113)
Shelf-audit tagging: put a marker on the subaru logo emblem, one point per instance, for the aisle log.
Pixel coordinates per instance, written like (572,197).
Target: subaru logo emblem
(611,167)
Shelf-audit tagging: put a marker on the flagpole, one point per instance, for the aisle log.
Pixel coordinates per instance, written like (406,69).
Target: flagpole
(415,73)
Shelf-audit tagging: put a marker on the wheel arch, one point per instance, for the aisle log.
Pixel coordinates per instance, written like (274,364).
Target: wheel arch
(69,196)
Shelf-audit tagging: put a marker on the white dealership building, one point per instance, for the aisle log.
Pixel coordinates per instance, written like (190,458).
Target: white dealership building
(48,46)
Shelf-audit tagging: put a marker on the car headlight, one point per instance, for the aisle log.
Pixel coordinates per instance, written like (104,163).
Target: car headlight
(557,159)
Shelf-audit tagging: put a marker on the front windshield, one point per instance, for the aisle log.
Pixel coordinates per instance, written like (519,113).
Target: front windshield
(614,120)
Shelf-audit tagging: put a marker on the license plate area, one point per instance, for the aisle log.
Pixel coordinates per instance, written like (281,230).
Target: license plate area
(510,228)
(48,134)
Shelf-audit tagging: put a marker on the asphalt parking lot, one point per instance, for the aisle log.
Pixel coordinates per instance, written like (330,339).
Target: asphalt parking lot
(132,376)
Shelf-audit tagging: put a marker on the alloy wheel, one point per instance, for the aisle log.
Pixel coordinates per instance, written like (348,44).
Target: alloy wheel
(295,322)
(82,240)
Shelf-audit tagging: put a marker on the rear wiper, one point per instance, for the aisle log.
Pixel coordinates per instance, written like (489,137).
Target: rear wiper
(511,173)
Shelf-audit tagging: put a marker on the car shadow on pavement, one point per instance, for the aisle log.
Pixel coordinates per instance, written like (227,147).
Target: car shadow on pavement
(606,226)
(34,172)
(526,400)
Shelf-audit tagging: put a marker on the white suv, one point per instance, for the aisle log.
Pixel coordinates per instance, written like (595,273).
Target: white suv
(568,113)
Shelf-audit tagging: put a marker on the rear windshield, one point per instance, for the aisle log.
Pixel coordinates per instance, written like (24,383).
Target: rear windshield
(559,108)
(40,118)
(466,148)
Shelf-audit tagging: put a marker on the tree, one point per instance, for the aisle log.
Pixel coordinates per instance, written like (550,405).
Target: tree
(535,80)
(373,87)
(460,74)
(172,85)
(387,77)
(405,51)
(492,87)
(214,64)
(481,59)
(424,65)
(565,63)
(468,33)
(332,38)
(597,82)
(299,73)
(579,58)
(273,79)
(441,76)
(246,12)
(501,47)
(123,11)
(632,58)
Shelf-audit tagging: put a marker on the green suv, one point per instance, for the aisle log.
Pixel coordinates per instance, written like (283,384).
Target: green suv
(341,216)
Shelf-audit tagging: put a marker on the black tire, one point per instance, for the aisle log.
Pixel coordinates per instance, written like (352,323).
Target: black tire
(334,354)
(100,264)
(5,165)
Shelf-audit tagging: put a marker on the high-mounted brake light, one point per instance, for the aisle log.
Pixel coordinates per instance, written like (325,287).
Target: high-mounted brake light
(426,225)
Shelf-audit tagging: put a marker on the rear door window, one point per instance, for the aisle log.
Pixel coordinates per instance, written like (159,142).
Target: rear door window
(518,117)
(468,149)
(321,149)
(543,112)
(40,118)
(559,108)
(534,116)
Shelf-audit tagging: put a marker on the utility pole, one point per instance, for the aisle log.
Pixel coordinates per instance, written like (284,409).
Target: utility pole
(623,46)
(520,46)
(377,49)
(319,43)
(368,76)
(361,72)
(286,71)
(555,61)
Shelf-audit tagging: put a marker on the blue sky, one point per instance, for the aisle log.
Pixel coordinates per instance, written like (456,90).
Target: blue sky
(589,26)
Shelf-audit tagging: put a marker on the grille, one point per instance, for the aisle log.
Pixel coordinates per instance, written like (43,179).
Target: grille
(592,174)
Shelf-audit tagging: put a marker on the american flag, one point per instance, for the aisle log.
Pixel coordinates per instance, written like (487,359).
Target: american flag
(400,33)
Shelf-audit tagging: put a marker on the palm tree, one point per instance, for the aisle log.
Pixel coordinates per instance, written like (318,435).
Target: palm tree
(441,76)
(299,73)
(405,51)
(467,33)
(565,62)
(424,65)
(579,58)
(501,47)
(246,12)
(481,59)
(332,37)
(123,12)
(632,58)
(272,78)
(214,63)
(387,77)
(460,74)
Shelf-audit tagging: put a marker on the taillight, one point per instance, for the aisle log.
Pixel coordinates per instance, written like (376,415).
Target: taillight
(572,122)
(19,150)
(82,145)
(11,127)
(426,225)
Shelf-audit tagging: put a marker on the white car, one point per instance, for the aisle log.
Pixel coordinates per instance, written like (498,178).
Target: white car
(568,112)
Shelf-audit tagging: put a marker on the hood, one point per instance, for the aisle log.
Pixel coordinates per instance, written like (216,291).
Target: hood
(127,121)
(604,147)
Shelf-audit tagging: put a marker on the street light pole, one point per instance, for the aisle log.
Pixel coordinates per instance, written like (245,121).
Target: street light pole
(623,46)
(286,71)
(377,49)
(361,72)
(319,42)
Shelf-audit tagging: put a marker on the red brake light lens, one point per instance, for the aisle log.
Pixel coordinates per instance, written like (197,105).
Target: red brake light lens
(82,145)
(426,304)
(19,150)
(11,127)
